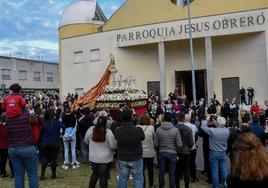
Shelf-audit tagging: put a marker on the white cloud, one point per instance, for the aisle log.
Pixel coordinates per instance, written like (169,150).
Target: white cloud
(30,26)
(49,45)
(42,44)
(16,4)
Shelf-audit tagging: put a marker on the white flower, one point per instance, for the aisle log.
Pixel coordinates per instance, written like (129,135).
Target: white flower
(122,93)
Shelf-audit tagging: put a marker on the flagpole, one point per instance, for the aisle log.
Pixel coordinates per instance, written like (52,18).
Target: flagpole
(192,53)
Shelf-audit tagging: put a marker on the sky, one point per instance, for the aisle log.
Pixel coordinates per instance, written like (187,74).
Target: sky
(31,26)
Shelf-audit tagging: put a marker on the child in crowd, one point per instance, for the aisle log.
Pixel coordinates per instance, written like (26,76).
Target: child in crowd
(14,103)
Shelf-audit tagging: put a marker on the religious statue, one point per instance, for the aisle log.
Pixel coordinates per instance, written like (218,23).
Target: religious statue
(112,70)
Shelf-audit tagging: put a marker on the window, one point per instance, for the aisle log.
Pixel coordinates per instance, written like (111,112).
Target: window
(78,57)
(37,76)
(94,55)
(49,76)
(22,75)
(6,74)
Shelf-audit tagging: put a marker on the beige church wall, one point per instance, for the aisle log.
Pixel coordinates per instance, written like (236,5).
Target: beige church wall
(233,56)
(143,12)
(242,56)
(178,59)
(141,62)
(86,74)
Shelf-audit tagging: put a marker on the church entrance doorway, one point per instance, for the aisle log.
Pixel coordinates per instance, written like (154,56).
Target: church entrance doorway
(183,83)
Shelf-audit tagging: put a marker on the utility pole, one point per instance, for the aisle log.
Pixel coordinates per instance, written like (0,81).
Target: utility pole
(192,52)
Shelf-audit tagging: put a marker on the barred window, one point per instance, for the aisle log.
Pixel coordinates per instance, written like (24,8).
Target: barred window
(22,75)
(78,57)
(95,55)
(49,76)
(37,76)
(6,74)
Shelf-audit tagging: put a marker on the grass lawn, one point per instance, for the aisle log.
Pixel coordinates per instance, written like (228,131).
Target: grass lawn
(79,178)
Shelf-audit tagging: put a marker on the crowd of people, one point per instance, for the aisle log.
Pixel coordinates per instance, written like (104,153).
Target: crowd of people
(37,127)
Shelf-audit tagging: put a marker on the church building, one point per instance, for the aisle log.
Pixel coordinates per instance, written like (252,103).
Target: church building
(150,42)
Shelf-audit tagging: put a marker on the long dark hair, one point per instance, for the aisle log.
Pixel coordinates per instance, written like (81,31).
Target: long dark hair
(58,113)
(49,117)
(99,132)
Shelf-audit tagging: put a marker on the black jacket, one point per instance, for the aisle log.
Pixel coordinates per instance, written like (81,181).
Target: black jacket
(234,112)
(84,124)
(212,109)
(226,110)
(201,112)
(186,138)
(129,142)
(119,116)
(69,120)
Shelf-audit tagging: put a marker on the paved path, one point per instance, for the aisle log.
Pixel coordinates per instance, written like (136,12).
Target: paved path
(199,157)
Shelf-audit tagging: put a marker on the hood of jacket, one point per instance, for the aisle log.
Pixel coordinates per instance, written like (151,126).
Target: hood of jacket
(167,125)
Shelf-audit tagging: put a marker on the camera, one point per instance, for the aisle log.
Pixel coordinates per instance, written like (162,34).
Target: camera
(213,118)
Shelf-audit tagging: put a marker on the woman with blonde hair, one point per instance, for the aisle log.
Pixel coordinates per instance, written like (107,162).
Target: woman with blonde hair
(251,163)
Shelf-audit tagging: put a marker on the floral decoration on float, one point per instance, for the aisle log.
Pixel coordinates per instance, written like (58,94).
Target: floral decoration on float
(112,91)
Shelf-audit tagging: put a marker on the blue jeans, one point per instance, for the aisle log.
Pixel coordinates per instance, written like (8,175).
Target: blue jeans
(25,158)
(85,149)
(136,167)
(170,160)
(218,160)
(66,150)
